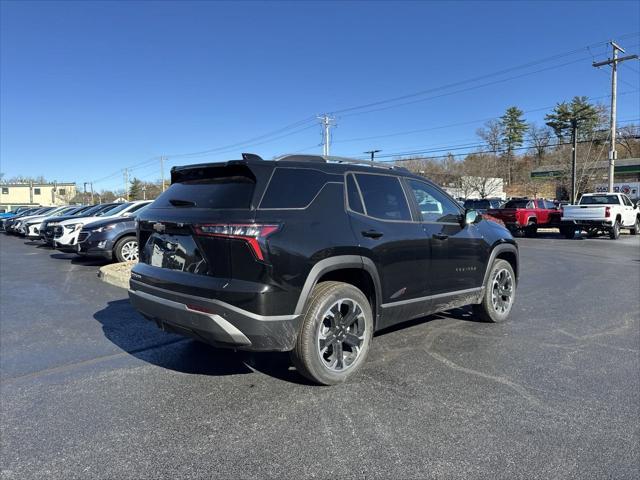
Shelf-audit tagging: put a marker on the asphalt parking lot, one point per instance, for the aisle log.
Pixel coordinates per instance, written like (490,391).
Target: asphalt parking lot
(91,389)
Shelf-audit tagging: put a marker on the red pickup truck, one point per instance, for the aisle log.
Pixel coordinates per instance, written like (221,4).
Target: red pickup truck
(526,215)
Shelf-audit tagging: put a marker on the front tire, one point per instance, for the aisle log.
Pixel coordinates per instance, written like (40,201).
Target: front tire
(636,227)
(126,250)
(499,293)
(568,232)
(335,334)
(614,233)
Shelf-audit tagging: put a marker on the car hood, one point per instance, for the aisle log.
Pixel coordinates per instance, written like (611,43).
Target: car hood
(87,220)
(111,221)
(37,218)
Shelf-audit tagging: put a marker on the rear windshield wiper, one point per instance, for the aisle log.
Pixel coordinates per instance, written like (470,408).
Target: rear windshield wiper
(176,202)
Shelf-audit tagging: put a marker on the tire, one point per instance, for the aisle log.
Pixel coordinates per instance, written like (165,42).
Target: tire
(568,232)
(531,230)
(317,354)
(636,227)
(495,308)
(614,233)
(126,249)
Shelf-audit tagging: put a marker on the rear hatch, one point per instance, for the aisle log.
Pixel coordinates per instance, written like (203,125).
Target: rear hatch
(201,231)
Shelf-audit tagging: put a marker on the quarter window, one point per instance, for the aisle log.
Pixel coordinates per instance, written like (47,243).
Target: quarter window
(434,205)
(293,188)
(383,197)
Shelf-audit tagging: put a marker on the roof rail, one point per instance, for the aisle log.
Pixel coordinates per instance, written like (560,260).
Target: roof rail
(334,159)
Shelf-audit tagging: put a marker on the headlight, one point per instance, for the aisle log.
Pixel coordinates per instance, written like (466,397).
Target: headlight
(105,228)
(73,227)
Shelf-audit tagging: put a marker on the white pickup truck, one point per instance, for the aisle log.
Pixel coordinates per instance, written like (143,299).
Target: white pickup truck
(601,212)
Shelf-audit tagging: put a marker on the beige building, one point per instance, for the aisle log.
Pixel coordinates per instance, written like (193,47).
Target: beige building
(22,194)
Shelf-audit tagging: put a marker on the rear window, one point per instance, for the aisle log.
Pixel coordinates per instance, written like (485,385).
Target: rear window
(600,200)
(518,204)
(213,187)
(293,188)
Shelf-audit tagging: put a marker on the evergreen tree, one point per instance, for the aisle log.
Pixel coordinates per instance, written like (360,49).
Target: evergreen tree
(135,189)
(590,118)
(513,128)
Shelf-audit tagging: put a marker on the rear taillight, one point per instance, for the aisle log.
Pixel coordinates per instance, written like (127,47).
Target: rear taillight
(607,212)
(253,234)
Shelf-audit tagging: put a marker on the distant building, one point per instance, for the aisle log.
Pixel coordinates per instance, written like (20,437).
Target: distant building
(24,194)
(476,187)
(626,176)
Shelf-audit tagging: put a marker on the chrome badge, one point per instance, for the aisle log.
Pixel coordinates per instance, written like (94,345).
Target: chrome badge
(159,227)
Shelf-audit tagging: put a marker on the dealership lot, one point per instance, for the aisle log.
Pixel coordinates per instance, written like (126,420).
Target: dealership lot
(91,389)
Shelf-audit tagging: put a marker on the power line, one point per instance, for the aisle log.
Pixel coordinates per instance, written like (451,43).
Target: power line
(470,122)
(481,77)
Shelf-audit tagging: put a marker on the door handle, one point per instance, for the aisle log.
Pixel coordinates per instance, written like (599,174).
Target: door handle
(440,236)
(371,234)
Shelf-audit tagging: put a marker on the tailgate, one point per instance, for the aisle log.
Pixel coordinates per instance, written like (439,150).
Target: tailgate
(583,212)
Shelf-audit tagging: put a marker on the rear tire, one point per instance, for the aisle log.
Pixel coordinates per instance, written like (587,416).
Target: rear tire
(568,232)
(499,293)
(531,230)
(636,227)
(614,233)
(335,334)
(126,249)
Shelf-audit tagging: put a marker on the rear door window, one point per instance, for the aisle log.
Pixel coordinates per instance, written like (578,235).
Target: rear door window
(353,195)
(383,197)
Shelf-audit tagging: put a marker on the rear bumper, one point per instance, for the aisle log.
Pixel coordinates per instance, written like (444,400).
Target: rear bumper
(213,321)
(588,223)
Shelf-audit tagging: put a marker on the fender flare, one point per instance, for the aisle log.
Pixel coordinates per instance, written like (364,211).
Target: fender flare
(338,262)
(500,248)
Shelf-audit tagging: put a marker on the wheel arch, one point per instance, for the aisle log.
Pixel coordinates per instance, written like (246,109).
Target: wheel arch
(503,251)
(358,271)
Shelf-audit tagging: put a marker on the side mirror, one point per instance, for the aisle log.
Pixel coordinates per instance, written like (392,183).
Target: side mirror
(471,216)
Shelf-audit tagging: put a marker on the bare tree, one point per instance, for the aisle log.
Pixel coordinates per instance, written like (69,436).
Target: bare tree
(628,139)
(491,134)
(481,176)
(539,139)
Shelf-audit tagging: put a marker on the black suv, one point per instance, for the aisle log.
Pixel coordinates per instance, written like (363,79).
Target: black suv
(313,254)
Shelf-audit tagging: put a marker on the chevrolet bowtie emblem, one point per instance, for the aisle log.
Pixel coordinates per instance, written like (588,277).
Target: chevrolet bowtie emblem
(159,227)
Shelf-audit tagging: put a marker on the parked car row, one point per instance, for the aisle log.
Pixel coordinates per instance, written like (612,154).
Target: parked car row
(107,230)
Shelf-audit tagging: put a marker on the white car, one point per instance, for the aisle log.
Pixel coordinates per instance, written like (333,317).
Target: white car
(19,226)
(31,227)
(66,232)
(601,212)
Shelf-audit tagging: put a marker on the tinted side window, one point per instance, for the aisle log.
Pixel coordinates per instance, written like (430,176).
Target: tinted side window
(434,205)
(383,197)
(293,188)
(353,196)
(626,201)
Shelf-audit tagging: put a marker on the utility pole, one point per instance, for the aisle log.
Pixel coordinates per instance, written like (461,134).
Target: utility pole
(91,183)
(327,122)
(162,172)
(84,193)
(372,153)
(144,191)
(614,87)
(574,155)
(126,184)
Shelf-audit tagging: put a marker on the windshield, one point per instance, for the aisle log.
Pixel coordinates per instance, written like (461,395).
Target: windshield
(115,210)
(483,204)
(600,200)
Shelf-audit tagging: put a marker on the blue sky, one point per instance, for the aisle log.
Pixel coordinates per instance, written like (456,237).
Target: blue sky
(88,88)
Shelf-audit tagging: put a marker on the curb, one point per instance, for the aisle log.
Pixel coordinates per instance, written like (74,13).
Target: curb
(116,274)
